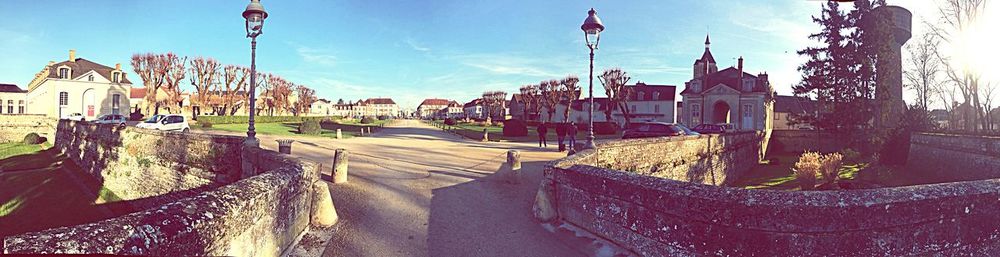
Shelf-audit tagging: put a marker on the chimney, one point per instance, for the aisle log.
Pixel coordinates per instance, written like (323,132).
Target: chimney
(118,66)
(72,55)
(739,65)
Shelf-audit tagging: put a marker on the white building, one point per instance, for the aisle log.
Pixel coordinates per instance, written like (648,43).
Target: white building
(12,99)
(429,107)
(380,107)
(78,86)
(729,97)
(473,109)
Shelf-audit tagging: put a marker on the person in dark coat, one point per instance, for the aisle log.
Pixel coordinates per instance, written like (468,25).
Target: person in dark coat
(542,130)
(561,136)
(571,134)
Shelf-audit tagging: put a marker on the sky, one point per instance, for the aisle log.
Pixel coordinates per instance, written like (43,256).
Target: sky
(412,50)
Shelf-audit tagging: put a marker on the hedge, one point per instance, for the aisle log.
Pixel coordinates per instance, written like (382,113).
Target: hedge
(216,120)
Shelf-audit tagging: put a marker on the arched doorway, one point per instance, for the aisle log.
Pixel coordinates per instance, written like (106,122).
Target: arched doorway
(88,104)
(720,112)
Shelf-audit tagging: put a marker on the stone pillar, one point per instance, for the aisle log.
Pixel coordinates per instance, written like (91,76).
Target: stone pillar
(324,214)
(486,135)
(285,146)
(340,166)
(513,166)
(339,135)
(248,160)
(362,131)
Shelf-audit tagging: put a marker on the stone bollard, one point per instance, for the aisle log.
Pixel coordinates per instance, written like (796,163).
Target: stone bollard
(339,135)
(513,167)
(486,135)
(340,166)
(362,131)
(369,131)
(285,146)
(324,214)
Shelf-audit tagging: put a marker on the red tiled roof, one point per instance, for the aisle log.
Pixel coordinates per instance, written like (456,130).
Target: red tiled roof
(472,103)
(435,101)
(380,101)
(137,93)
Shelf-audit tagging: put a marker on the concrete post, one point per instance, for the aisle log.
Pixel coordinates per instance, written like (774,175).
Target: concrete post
(324,214)
(285,146)
(340,166)
(369,131)
(339,135)
(486,135)
(513,167)
(362,131)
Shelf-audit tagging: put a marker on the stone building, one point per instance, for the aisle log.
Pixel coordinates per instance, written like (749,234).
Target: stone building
(78,85)
(12,99)
(381,107)
(429,107)
(730,97)
(788,108)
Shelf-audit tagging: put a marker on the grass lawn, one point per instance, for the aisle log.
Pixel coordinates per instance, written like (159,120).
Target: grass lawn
(13,149)
(475,131)
(780,177)
(348,128)
(37,192)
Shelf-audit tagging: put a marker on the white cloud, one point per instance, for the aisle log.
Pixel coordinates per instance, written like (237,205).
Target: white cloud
(413,44)
(316,56)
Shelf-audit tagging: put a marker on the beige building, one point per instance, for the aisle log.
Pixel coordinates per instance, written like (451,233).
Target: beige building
(78,86)
(788,108)
(429,107)
(380,107)
(12,99)
(729,97)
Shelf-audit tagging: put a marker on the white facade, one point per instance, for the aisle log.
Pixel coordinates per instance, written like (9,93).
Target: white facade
(78,86)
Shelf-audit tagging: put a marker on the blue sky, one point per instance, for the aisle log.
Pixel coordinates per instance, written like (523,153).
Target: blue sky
(411,50)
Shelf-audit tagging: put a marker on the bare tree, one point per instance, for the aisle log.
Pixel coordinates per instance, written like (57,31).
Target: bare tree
(151,69)
(204,73)
(551,96)
(529,99)
(571,91)
(958,17)
(306,96)
(988,91)
(924,68)
(614,81)
(235,80)
(174,67)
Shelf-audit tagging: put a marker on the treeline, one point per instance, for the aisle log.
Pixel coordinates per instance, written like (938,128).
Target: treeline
(219,89)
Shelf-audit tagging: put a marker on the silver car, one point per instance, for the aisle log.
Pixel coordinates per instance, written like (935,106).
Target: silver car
(116,119)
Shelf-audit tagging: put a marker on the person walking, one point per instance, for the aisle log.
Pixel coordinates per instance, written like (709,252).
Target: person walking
(561,136)
(571,134)
(542,130)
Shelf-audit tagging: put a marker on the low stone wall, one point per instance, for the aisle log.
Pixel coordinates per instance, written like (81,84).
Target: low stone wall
(960,157)
(703,159)
(13,127)
(259,215)
(663,217)
(139,163)
(805,140)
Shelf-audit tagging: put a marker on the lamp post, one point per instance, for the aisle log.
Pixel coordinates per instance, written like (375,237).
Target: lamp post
(254,15)
(592,28)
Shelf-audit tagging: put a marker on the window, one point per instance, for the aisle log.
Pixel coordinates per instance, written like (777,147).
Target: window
(115,99)
(1,105)
(116,77)
(63,98)
(10,106)
(20,107)
(90,78)
(696,114)
(633,108)
(656,96)
(640,96)
(696,85)
(748,85)
(656,108)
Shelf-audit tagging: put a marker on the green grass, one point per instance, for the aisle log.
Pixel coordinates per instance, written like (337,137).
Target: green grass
(348,128)
(780,177)
(14,149)
(37,192)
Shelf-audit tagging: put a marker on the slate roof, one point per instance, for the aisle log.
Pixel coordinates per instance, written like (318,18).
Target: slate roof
(793,104)
(380,101)
(600,104)
(730,78)
(666,92)
(435,101)
(82,66)
(472,103)
(11,88)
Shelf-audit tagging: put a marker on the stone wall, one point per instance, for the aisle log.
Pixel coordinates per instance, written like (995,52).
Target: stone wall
(960,157)
(805,140)
(13,127)
(259,215)
(139,163)
(663,217)
(704,159)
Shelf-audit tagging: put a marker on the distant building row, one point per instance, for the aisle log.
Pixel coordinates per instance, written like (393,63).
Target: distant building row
(375,107)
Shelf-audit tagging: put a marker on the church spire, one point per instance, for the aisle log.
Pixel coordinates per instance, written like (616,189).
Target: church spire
(707,42)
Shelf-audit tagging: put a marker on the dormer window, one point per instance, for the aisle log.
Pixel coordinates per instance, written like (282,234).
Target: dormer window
(640,96)
(64,73)
(748,85)
(696,85)
(116,77)
(90,78)
(656,96)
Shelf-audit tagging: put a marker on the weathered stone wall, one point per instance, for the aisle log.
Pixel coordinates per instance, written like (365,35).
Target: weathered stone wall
(704,159)
(960,157)
(805,140)
(13,127)
(258,216)
(663,217)
(139,163)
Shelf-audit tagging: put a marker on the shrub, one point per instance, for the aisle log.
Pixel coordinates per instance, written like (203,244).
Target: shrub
(33,139)
(604,128)
(850,155)
(450,122)
(367,120)
(309,127)
(831,167)
(205,124)
(515,128)
(806,168)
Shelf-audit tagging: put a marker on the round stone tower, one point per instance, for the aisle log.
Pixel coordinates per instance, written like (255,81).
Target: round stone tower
(889,93)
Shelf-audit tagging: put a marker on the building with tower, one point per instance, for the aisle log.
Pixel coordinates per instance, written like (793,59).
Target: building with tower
(730,96)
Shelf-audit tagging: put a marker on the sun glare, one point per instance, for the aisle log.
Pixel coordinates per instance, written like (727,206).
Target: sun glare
(977,47)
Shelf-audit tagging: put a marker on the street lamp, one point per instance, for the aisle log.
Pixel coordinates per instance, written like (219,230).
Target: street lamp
(254,15)
(592,28)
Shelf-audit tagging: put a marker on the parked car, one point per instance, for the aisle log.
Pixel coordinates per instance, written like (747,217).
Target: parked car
(710,129)
(75,116)
(168,122)
(656,129)
(111,119)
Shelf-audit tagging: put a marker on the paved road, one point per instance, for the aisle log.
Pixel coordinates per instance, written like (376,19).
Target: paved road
(416,191)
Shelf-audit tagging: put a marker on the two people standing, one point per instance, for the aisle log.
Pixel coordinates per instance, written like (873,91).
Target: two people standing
(563,132)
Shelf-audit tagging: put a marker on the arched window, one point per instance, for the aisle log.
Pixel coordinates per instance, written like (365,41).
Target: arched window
(90,78)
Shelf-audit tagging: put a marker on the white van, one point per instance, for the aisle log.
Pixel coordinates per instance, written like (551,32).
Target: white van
(168,122)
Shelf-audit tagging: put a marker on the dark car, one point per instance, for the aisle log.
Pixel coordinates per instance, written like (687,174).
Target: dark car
(710,129)
(656,129)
